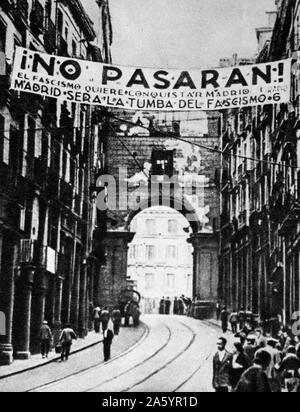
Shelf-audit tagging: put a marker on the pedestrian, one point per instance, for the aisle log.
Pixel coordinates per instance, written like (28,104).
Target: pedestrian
(255,379)
(117,320)
(222,364)
(290,367)
(261,341)
(249,319)
(250,347)
(66,339)
(273,366)
(168,306)
(287,340)
(128,311)
(218,310)
(107,341)
(180,307)
(104,318)
(176,307)
(233,320)
(240,363)
(242,318)
(224,319)
(46,339)
(162,306)
(136,316)
(96,317)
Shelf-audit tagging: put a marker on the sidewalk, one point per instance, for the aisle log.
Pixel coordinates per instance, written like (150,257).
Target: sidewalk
(36,361)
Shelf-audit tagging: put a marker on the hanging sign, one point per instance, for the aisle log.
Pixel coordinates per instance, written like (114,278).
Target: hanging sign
(134,88)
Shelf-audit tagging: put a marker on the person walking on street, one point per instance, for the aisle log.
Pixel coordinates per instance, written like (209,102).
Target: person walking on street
(104,318)
(242,319)
(224,319)
(222,364)
(46,339)
(176,307)
(275,361)
(290,368)
(136,316)
(240,363)
(168,306)
(233,320)
(162,306)
(249,319)
(180,307)
(218,310)
(250,347)
(117,320)
(66,339)
(255,379)
(107,341)
(96,315)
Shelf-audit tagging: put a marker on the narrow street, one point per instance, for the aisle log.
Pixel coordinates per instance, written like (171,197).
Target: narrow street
(173,354)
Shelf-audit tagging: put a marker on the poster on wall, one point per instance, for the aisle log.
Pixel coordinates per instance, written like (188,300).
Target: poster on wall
(91,83)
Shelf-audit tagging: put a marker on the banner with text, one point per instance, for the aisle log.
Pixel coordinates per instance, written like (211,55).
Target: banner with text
(108,85)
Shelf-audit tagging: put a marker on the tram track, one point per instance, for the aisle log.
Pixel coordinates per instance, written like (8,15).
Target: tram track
(149,362)
(97,366)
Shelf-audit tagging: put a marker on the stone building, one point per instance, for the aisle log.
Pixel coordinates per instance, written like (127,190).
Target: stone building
(260,214)
(160,260)
(144,149)
(50,157)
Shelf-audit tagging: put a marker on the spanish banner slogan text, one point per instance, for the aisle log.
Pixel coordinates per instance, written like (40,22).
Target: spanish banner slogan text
(108,85)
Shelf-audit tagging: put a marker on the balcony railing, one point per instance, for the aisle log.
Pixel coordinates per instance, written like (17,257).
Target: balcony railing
(27,251)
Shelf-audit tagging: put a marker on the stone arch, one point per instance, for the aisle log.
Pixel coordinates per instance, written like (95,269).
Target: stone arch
(183,207)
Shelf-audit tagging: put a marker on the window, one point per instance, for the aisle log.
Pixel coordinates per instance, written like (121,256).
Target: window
(60,22)
(162,162)
(2,38)
(74,48)
(134,252)
(150,226)
(150,253)
(171,281)
(149,281)
(172,252)
(172,226)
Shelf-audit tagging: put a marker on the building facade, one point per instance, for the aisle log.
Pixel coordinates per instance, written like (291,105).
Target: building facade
(260,192)
(160,260)
(51,153)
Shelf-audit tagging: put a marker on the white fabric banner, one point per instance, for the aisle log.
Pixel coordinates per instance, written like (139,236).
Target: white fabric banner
(151,89)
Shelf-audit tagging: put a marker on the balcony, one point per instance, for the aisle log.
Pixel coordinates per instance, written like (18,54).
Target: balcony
(62,46)
(27,248)
(37,18)
(50,36)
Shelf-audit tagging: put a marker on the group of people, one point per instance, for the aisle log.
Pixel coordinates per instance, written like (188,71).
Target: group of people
(239,320)
(101,318)
(179,306)
(64,344)
(258,363)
